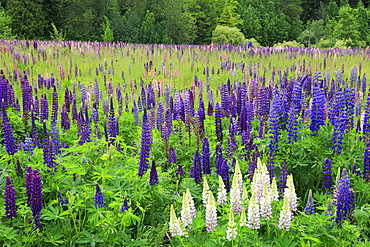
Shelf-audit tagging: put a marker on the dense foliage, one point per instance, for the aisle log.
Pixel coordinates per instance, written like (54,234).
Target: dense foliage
(115,144)
(188,21)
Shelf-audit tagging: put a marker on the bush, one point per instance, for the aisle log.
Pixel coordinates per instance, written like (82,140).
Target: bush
(228,35)
(289,44)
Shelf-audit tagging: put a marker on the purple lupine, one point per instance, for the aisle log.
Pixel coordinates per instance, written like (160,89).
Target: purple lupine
(180,170)
(96,92)
(153,174)
(10,199)
(327,176)
(7,130)
(135,111)
(67,99)
(343,198)
(54,134)
(35,199)
(44,114)
(225,175)
(366,167)
(172,156)
(125,206)
(271,165)
(19,169)
(119,94)
(146,140)
(49,156)
(318,105)
(54,107)
(98,197)
(253,165)
(189,111)
(206,157)
(263,103)
(61,200)
(65,122)
(26,97)
(219,158)
(273,125)
(197,168)
(159,118)
(201,115)
(112,124)
(29,146)
(310,205)
(356,171)
(218,122)
(338,133)
(283,179)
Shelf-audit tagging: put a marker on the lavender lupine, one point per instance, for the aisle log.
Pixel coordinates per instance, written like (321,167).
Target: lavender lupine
(7,130)
(211,213)
(10,199)
(235,196)
(310,205)
(327,176)
(98,197)
(35,193)
(153,174)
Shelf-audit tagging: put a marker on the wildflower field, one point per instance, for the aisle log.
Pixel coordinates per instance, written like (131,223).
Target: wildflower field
(115,144)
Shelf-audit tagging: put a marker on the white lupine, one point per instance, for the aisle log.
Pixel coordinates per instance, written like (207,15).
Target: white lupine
(274,190)
(253,212)
(222,193)
(286,214)
(205,190)
(266,210)
(175,224)
(231,232)
(191,203)
(239,176)
(235,196)
(211,212)
(292,196)
(188,210)
(243,218)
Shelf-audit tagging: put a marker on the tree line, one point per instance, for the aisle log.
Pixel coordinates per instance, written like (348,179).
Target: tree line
(323,23)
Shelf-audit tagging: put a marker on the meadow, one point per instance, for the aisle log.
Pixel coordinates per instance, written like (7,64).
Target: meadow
(116,144)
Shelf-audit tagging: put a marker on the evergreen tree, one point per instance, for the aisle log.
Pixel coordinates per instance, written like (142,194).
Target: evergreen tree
(5,30)
(362,22)
(228,16)
(347,26)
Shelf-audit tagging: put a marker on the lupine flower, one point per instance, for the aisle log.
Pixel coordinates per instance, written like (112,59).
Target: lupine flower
(197,169)
(318,105)
(112,124)
(274,190)
(205,191)
(61,200)
(125,206)
(225,174)
(206,157)
(99,197)
(146,139)
(265,203)
(10,202)
(254,212)
(290,191)
(54,134)
(172,156)
(236,196)
(282,179)
(54,109)
(356,170)
(7,129)
(29,146)
(218,122)
(351,204)
(222,193)
(310,205)
(286,214)
(180,170)
(231,232)
(339,128)
(273,125)
(153,174)
(343,198)
(211,213)
(327,176)
(35,196)
(243,218)
(366,171)
(366,124)
(188,209)
(219,158)
(19,169)
(174,224)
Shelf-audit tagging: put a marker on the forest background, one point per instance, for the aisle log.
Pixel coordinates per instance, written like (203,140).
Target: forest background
(327,23)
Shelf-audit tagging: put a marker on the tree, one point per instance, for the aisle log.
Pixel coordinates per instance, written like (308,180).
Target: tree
(149,32)
(315,31)
(228,16)
(5,30)
(28,19)
(362,22)
(347,27)
(228,35)
(107,31)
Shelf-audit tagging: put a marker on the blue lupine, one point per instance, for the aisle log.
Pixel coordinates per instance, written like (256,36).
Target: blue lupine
(146,140)
(282,179)
(343,198)
(49,156)
(273,125)
(225,175)
(153,174)
(125,206)
(112,124)
(218,122)
(159,118)
(29,146)
(349,106)
(366,167)
(180,170)
(65,122)
(271,165)
(206,157)
(310,205)
(327,176)
(35,196)
(219,158)
(196,172)
(98,197)
(366,125)
(54,108)
(318,105)
(10,199)
(54,134)
(7,130)
(356,171)
(339,128)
